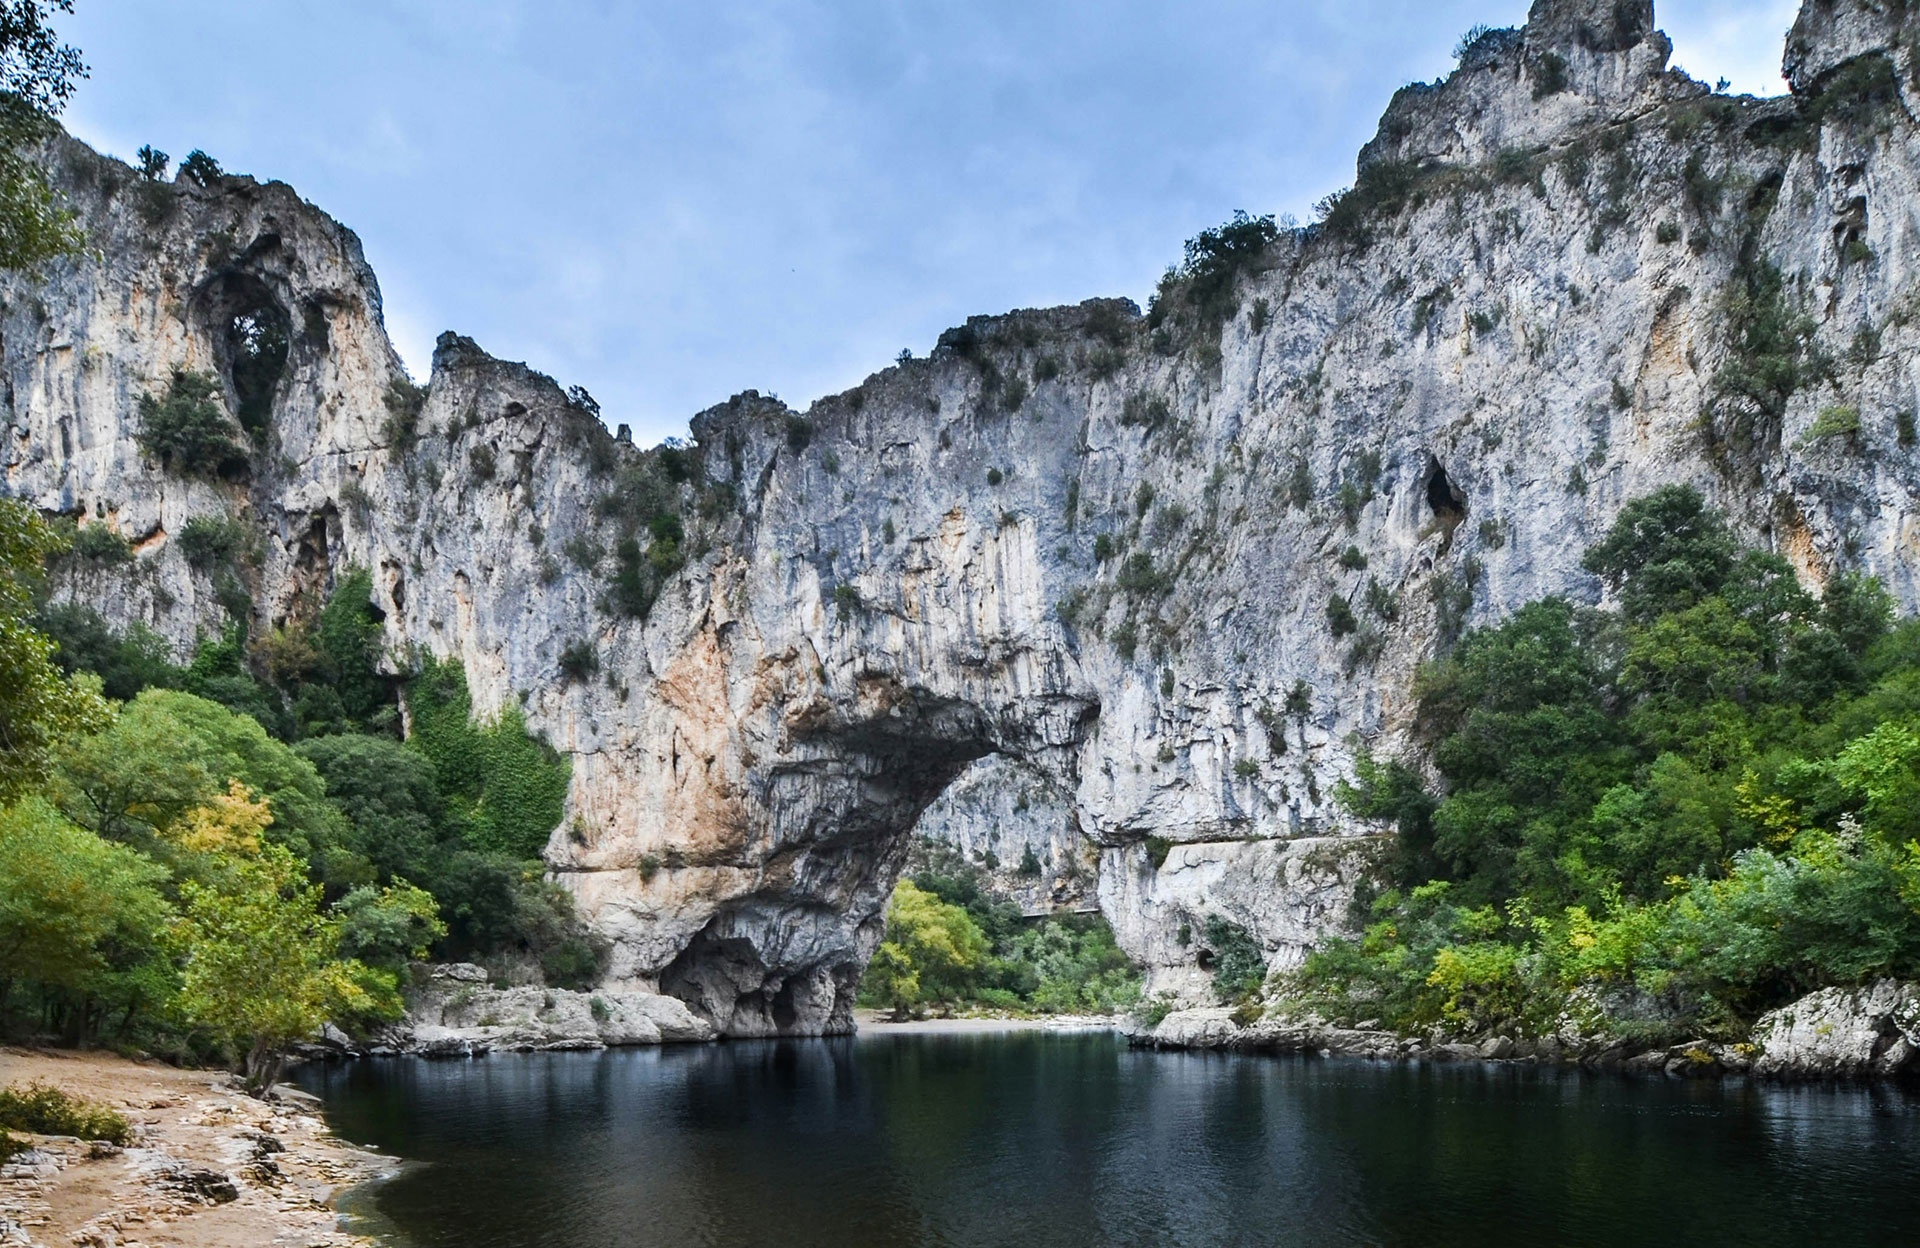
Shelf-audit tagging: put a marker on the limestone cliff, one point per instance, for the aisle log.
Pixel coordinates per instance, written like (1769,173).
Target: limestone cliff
(1095,550)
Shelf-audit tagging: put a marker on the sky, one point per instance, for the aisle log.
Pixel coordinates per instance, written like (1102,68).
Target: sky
(669,202)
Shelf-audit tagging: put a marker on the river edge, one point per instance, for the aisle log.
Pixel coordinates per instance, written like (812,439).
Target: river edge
(1870,1032)
(209,1166)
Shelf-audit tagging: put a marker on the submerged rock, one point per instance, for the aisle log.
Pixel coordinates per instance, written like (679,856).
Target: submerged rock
(1842,1032)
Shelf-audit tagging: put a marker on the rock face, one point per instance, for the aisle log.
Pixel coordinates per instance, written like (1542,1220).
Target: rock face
(1842,1032)
(1091,549)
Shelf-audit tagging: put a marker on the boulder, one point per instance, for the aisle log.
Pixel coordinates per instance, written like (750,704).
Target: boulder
(1841,1032)
(1209,1028)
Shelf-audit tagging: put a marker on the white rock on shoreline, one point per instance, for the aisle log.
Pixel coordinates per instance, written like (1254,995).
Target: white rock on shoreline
(1842,1032)
(457,1012)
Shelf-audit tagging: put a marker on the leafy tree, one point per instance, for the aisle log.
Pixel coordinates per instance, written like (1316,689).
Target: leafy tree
(1665,552)
(262,966)
(932,951)
(73,908)
(126,662)
(388,927)
(891,981)
(201,168)
(168,752)
(37,704)
(349,633)
(38,74)
(389,795)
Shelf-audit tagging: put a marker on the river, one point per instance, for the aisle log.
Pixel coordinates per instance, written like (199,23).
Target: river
(1042,1138)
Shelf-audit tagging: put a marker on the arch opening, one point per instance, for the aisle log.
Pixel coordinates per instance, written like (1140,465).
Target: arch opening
(252,337)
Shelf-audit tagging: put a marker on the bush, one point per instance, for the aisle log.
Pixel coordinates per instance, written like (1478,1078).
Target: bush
(1835,422)
(1353,559)
(1239,967)
(1029,864)
(1549,72)
(405,401)
(210,542)
(100,545)
(188,428)
(1383,189)
(1340,617)
(46,1110)
(1139,576)
(579,660)
(1214,259)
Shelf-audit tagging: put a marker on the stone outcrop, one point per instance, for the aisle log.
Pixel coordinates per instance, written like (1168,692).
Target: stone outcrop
(1842,1032)
(1087,546)
(456,1012)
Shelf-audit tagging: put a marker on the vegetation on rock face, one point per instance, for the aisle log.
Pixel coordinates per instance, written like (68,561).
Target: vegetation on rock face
(1660,818)
(949,945)
(188,429)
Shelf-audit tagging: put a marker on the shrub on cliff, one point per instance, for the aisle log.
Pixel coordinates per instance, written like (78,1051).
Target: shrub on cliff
(188,428)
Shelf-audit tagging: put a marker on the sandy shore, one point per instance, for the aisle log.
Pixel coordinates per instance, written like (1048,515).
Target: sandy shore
(880,1023)
(208,1168)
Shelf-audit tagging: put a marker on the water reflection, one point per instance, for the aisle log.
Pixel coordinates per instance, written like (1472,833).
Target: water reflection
(1046,1139)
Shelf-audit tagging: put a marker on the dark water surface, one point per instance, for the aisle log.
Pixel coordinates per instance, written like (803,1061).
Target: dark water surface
(1034,1138)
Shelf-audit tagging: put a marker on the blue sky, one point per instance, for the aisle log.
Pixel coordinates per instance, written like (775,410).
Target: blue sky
(670,202)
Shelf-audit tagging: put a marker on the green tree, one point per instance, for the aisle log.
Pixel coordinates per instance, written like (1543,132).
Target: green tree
(262,966)
(38,74)
(37,704)
(73,908)
(1665,552)
(188,429)
(125,662)
(389,794)
(349,633)
(506,790)
(168,752)
(933,951)
(388,927)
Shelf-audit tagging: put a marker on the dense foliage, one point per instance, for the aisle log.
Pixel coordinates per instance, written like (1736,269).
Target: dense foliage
(214,858)
(952,946)
(1664,817)
(38,74)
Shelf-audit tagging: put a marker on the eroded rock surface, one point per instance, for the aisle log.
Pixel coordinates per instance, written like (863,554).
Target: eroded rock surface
(458,1013)
(1842,1032)
(1095,548)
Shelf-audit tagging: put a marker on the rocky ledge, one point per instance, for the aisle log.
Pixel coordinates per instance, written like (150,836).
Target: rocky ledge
(454,1010)
(1832,1033)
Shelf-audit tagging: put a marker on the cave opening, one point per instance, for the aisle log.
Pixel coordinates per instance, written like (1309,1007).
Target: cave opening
(1447,501)
(252,336)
